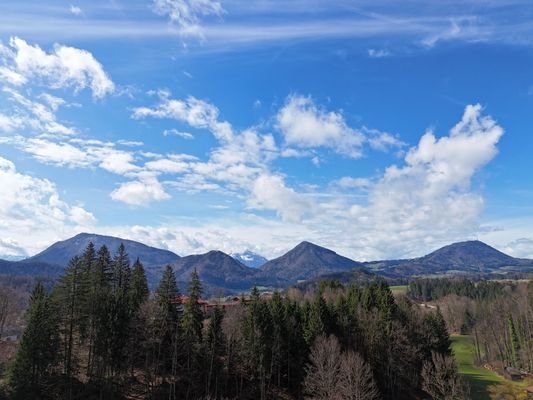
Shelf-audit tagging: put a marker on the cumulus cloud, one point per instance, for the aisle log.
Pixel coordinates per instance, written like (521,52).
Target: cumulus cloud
(522,248)
(304,124)
(270,192)
(63,67)
(429,198)
(195,112)
(81,216)
(30,208)
(76,153)
(141,192)
(186,14)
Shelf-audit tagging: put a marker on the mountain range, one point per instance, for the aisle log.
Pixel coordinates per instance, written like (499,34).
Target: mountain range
(221,273)
(470,257)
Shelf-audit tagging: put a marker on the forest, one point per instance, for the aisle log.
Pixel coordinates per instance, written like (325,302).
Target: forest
(498,314)
(100,334)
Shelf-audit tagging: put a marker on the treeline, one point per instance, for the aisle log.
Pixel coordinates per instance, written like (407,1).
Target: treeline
(498,315)
(99,334)
(436,288)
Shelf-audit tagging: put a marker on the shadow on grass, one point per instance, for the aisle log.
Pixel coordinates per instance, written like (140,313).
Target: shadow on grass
(480,385)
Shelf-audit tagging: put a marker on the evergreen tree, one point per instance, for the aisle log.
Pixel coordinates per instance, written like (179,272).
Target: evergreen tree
(138,295)
(192,322)
(70,298)
(37,354)
(515,343)
(167,349)
(258,342)
(316,319)
(100,283)
(214,350)
(120,312)
(437,338)
(139,286)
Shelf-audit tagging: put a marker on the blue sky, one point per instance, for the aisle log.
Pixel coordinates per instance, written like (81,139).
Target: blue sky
(373,129)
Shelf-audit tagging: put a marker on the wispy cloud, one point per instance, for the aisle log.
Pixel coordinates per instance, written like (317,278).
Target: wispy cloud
(427,27)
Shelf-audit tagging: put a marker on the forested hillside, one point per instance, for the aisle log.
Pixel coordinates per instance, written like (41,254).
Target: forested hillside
(100,334)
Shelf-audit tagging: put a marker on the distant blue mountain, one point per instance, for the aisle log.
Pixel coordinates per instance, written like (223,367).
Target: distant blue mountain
(61,252)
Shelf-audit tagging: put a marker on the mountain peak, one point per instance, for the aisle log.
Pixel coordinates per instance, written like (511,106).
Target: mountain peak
(61,252)
(307,260)
(250,259)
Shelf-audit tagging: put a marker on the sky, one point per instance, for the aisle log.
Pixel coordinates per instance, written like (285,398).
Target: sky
(376,128)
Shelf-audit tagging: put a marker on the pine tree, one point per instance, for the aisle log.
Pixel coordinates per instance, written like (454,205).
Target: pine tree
(139,286)
(167,348)
(214,350)
(437,338)
(100,278)
(515,343)
(258,342)
(120,313)
(138,295)
(316,319)
(70,298)
(91,300)
(37,354)
(192,322)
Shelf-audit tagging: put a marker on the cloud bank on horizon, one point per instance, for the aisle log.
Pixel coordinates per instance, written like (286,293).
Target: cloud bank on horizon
(248,126)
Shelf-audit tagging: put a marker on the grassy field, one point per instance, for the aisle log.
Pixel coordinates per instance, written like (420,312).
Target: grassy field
(484,384)
(401,289)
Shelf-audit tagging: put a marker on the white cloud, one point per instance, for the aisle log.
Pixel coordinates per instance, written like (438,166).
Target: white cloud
(81,216)
(175,132)
(382,141)
(270,192)
(429,200)
(64,67)
(75,10)
(378,53)
(38,117)
(141,192)
(12,77)
(185,14)
(349,182)
(61,154)
(195,112)
(521,248)
(168,166)
(77,153)
(304,124)
(32,212)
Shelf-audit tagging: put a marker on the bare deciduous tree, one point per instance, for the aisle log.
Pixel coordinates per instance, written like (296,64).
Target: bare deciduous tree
(356,380)
(333,375)
(322,380)
(440,379)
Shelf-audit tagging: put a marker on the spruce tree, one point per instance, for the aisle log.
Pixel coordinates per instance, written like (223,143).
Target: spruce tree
(167,348)
(100,278)
(138,295)
(70,298)
(214,350)
(515,343)
(139,286)
(192,322)
(120,313)
(38,350)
